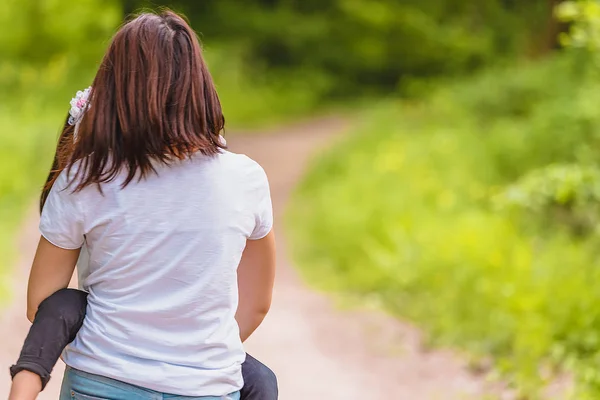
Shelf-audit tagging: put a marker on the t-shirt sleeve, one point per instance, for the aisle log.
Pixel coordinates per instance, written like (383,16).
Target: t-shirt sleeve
(261,204)
(62,219)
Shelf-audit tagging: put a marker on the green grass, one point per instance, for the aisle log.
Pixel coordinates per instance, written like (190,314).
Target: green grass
(402,212)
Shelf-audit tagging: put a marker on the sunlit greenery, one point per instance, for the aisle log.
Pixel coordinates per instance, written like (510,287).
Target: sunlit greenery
(584,16)
(473,212)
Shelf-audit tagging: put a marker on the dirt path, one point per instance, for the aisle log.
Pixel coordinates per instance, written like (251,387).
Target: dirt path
(317,351)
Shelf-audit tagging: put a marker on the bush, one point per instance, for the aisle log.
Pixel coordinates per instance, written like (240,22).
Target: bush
(555,197)
(404,212)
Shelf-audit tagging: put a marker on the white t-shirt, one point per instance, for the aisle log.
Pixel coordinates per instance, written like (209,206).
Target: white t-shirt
(162,274)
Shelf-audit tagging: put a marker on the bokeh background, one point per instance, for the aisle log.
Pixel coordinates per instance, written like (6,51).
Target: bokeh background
(466,195)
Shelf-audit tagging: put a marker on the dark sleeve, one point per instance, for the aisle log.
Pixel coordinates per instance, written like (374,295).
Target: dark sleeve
(56,324)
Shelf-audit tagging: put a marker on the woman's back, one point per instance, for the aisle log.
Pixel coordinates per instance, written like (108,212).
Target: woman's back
(162,275)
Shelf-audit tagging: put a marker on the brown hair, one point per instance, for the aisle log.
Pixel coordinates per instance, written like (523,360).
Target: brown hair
(65,136)
(152,99)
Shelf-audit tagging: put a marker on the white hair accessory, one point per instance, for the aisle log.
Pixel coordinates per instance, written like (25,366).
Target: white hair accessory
(79,104)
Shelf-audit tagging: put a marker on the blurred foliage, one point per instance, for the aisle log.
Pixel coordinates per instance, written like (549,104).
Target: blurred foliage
(584,19)
(47,52)
(473,212)
(556,196)
(345,47)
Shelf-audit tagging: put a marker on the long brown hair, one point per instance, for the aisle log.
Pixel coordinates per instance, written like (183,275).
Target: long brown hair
(66,136)
(153,99)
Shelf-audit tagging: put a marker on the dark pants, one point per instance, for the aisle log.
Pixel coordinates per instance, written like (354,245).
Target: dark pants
(60,317)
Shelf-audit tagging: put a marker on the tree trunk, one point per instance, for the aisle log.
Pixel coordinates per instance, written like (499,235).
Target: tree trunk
(553,29)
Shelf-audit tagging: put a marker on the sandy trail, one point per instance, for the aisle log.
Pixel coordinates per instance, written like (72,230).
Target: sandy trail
(318,352)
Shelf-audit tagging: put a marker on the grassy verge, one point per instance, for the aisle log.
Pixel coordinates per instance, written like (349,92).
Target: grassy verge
(403,212)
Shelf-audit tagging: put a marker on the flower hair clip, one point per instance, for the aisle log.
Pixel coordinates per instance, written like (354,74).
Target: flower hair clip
(79,104)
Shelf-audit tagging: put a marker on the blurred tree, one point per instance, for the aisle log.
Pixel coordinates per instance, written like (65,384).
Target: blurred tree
(372,45)
(35,31)
(43,43)
(354,46)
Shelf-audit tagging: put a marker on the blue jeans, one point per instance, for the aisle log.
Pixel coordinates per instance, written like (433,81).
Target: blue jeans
(79,385)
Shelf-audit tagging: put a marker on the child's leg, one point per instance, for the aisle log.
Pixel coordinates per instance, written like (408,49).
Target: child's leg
(260,383)
(26,386)
(56,323)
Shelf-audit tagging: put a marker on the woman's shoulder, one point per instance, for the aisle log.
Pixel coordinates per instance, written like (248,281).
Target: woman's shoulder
(242,164)
(68,177)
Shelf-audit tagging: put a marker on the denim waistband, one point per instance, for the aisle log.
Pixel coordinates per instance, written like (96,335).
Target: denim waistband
(83,385)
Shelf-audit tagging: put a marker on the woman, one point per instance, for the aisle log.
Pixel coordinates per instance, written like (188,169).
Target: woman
(167,215)
(61,315)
